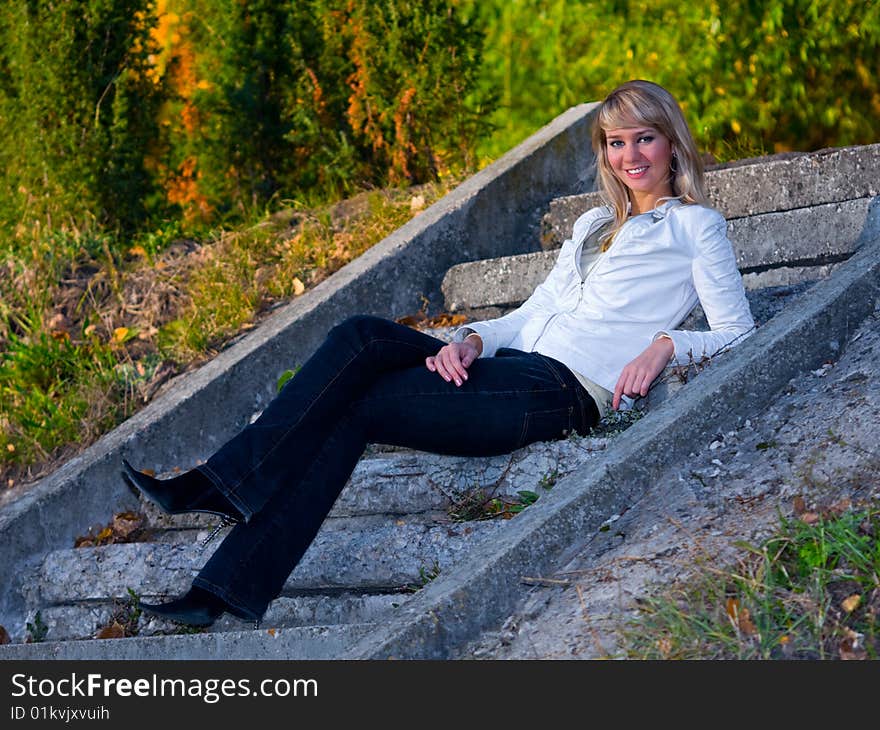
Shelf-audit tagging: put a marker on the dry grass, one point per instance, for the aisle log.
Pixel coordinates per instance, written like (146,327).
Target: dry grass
(89,335)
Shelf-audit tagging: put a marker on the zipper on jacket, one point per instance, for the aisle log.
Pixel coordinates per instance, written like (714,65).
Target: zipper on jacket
(577,252)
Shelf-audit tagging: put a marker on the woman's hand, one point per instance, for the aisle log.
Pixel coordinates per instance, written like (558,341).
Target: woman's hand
(453,360)
(638,375)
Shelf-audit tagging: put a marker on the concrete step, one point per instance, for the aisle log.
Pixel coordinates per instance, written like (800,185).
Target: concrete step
(390,557)
(379,545)
(814,236)
(415,483)
(83,621)
(305,642)
(755,186)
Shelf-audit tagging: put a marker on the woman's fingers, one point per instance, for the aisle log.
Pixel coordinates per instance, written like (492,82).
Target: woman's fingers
(451,362)
(451,359)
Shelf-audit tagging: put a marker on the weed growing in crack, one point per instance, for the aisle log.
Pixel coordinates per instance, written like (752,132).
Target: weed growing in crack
(548,481)
(125,619)
(614,423)
(476,505)
(36,631)
(426,575)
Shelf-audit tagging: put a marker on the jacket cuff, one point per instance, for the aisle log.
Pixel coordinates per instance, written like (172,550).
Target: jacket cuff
(476,328)
(682,348)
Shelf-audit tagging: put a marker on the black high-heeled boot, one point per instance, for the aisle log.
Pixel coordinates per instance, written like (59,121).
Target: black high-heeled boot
(197,607)
(192,491)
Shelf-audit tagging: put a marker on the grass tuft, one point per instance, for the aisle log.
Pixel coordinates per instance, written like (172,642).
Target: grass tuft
(809,592)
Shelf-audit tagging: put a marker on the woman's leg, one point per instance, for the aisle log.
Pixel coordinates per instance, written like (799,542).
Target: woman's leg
(265,455)
(507,402)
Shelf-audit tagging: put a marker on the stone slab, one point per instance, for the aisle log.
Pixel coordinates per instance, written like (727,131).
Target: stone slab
(310,642)
(755,186)
(818,235)
(381,558)
(83,621)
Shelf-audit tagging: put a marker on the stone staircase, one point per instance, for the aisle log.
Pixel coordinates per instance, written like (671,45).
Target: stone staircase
(408,518)
(399,522)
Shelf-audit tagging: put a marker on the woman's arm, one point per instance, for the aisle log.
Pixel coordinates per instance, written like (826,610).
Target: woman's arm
(636,378)
(499,332)
(720,290)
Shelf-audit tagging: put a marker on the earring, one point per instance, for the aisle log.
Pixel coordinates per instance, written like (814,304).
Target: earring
(673,163)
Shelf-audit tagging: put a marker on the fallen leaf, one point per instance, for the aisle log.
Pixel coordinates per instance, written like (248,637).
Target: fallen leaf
(417,202)
(4,636)
(113,631)
(850,647)
(851,603)
(298,287)
(839,507)
(810,518)
(125,523)
(411,320)
(271,632)
(138,251)
(740,618)
(119,334)
(664,646)
(799,505)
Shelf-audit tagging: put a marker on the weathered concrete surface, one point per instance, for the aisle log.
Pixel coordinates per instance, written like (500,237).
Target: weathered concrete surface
(486,586)
(756,186)
(816,440)
(392,556)
(817,235)
(83,621)
(414,482)
(309,642)
(203,409)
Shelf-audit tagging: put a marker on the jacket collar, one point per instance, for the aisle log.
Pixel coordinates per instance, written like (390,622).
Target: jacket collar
(660,211)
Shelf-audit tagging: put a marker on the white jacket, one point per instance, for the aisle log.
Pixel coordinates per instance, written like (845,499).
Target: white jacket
(659,265)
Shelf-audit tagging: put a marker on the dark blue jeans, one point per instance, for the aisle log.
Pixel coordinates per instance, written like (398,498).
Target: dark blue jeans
(367,383)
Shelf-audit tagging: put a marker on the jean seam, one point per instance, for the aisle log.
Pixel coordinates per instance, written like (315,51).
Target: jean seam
(552,368)
(234,489)
(217,481)
(528,418)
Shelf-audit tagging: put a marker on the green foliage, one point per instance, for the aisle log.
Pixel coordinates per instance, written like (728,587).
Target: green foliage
(36,631)
(49,386)
(809,592)
(753,77)
(326,94)
(77,111)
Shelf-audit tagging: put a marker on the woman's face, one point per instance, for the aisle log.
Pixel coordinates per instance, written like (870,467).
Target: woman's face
(639,157)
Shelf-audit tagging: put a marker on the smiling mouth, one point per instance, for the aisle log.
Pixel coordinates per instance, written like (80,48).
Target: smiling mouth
(637,170)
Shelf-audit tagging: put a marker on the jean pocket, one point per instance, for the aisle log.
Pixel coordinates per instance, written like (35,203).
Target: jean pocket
(548,425)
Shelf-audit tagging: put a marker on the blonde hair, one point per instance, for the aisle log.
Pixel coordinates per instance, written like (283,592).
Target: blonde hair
(640,103)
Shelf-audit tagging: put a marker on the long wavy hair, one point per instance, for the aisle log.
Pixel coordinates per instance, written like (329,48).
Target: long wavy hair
(641,103)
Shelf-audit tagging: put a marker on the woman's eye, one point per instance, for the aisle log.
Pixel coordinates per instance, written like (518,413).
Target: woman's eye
(615,143)
(647,138)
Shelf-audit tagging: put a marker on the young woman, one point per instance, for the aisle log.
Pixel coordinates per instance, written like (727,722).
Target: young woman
(599,329)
